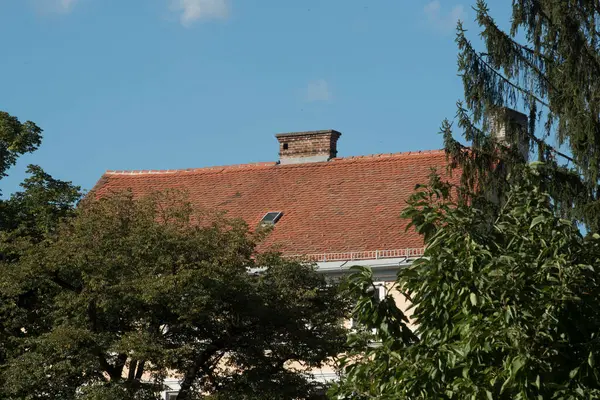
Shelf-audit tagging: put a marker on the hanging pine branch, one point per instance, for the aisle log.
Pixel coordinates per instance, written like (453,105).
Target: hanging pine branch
(548,67)
(503,303)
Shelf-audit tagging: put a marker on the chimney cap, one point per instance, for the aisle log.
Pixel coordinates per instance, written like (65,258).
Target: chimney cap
(308,133)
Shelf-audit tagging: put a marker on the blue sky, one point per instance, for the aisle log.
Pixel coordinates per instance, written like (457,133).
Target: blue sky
(163,84)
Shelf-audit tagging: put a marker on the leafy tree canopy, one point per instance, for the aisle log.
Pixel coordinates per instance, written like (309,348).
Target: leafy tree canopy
(128,291)
(506,309)
(16,138)
(43,201)
(505,298)
(26,217)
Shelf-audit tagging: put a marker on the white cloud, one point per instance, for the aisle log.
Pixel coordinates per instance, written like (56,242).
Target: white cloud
(66,5)
(443,22)
(318,91)
(194,10)
(54,6)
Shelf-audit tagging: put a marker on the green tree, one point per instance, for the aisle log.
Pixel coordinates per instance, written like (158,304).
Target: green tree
(26,217)
(35,212)
(505,297)
(16,139)
(134,290)
(503,310)
(548,66)
(43,201)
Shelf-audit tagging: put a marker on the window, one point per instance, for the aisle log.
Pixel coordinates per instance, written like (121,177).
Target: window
(271,218)
(171,395)
(378,295)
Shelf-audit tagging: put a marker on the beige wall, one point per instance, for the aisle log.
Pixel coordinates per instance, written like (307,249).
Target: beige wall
(402,303)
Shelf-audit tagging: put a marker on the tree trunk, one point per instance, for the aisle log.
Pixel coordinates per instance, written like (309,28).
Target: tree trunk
(186,385)
(140,370)
(132,367)
(191,374)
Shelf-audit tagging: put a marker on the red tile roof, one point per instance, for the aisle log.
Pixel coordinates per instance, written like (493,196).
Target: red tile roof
(346,205)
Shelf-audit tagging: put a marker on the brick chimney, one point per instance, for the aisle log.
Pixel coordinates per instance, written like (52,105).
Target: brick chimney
(304,147)
(510,127)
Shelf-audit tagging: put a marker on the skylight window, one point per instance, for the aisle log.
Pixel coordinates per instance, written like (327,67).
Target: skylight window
(271,218)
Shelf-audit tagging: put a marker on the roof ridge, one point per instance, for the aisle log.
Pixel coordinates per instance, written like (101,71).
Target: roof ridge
(391,155)
(171,171)
(234,167)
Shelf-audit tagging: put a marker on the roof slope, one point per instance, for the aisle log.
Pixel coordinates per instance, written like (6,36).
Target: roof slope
(345,205)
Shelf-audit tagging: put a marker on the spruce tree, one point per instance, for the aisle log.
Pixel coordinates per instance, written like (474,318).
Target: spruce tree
(547,66)
(505,298)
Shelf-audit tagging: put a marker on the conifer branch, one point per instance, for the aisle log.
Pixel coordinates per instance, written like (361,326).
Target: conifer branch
(471,50)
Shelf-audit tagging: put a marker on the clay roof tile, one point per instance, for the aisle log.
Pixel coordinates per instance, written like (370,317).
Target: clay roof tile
(350,204)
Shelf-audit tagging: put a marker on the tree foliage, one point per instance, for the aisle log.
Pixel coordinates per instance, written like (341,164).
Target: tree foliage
(35,211)
(16,138)
(43,201)
(548,66)
(505,298)
(503,309)
(131,290)
(26,217)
